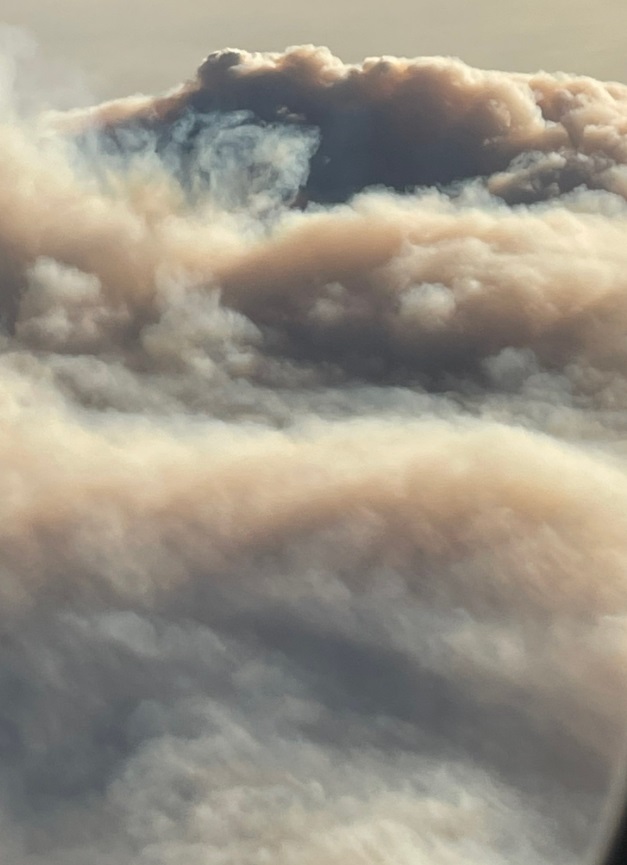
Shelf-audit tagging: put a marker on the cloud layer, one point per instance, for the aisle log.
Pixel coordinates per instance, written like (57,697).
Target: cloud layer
(313,478)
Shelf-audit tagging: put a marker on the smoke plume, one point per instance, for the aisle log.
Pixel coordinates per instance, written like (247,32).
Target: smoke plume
(313,479)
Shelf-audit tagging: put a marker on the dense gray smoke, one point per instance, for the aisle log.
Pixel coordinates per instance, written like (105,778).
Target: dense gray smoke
(313,398)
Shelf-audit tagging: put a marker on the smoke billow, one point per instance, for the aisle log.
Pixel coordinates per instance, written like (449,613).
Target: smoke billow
(314,486)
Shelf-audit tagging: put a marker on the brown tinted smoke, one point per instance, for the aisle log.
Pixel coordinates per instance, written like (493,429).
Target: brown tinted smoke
(314,494)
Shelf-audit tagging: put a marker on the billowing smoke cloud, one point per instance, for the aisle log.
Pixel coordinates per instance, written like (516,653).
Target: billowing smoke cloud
(314,496)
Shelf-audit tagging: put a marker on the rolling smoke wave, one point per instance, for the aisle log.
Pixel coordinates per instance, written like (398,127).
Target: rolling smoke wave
(314,493)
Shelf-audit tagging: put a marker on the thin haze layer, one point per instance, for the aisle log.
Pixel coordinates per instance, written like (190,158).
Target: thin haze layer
(313,489)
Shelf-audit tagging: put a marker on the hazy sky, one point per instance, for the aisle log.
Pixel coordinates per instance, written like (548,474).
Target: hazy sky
(148,45)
